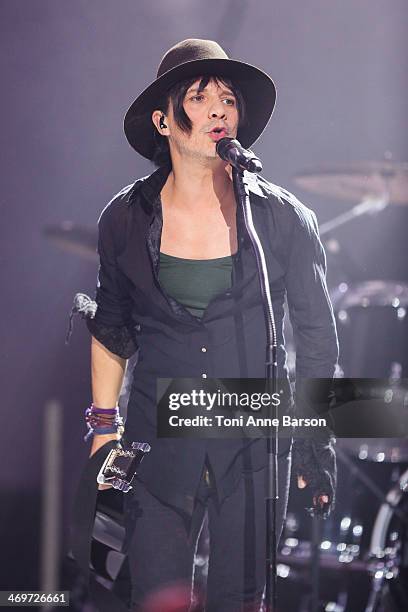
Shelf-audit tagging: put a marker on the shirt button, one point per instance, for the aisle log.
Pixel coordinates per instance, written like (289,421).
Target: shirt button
(203,375)
(203,349)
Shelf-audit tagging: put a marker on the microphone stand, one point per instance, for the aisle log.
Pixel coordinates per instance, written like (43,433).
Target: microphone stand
(242,197)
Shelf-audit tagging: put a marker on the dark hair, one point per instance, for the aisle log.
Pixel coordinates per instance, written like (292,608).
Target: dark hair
(176,94)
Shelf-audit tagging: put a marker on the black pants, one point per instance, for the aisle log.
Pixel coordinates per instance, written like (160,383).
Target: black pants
(163,544)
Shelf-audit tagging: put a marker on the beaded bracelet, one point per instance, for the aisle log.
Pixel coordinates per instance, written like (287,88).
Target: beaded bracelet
(103,421)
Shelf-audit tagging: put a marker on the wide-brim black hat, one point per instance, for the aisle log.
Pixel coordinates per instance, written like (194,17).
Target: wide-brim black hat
(195,58)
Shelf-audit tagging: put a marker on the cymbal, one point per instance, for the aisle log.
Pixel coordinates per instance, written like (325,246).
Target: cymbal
(370,293)
(74,238)
(357,181)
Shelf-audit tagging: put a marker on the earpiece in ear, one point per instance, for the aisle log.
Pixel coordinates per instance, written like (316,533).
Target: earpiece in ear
(161,123)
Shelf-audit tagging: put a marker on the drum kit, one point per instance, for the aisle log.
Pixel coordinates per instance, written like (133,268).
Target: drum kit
(357,560)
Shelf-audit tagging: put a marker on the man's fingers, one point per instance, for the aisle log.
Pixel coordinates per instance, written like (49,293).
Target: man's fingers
(321,500)
(301,482)
(102,487)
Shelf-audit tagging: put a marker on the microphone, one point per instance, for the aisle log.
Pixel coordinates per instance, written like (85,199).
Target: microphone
(232,151)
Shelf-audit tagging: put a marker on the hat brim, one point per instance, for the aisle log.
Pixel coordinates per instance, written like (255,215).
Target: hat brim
(256,86)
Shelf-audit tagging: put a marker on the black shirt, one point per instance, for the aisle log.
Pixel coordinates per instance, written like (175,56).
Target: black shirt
(134,313)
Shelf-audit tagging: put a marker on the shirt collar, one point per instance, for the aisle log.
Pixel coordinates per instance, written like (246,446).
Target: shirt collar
(151,186)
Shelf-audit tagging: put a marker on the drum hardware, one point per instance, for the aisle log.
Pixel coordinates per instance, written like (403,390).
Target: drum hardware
(338,549)
(315,559)
(340,556)
(362,307)
(371,293)
(369,206)
(385,500)
(349,571)
(379,450)
(375,185)
(388,548)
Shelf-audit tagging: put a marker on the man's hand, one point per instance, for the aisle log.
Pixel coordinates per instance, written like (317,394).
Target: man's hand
(97,442)
(321,500)
(314,464)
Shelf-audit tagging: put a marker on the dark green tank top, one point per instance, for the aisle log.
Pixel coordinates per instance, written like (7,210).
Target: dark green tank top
(195,282)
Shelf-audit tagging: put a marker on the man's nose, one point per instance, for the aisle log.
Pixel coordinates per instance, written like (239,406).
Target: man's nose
(217,109)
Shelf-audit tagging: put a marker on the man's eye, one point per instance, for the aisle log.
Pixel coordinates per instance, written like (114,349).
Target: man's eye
(229,101)
(198,97)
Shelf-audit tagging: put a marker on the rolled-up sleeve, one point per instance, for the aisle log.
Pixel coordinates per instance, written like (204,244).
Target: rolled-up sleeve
(112,325)
(310,308)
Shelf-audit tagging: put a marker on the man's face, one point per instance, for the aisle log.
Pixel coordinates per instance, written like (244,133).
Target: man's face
(213,113)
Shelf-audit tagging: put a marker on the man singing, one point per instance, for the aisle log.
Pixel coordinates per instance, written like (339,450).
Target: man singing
(178,283)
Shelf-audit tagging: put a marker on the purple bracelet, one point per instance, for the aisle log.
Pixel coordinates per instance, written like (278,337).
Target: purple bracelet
(94,408)
(115,427)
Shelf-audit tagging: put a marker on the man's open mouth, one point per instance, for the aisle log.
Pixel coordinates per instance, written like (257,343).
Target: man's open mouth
(217,133)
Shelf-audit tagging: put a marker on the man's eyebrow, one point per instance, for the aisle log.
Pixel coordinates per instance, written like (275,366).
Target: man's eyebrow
(223,91)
